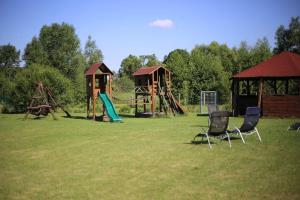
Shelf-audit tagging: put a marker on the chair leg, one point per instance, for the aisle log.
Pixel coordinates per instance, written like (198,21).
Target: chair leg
(228,139)
(208,140)
(258,134)
(240,134)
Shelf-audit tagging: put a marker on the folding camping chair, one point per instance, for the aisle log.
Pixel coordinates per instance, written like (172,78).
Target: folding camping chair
(217,128)
(248,127)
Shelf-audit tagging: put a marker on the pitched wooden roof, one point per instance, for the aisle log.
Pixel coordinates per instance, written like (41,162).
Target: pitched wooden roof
(147,70)
(94,67)
(285,64)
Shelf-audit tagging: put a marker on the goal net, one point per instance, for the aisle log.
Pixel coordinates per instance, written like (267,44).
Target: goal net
(207,97)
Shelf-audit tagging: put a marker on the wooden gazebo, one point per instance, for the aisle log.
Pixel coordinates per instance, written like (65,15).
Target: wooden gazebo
(98,79)
(273,85)
(152,82)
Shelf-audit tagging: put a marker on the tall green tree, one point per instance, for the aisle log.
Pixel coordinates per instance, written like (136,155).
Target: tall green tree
(34,53)
(61,45)
(208,74)
(261,51)
(178,61)
(9,56)
(149,60)
(129,65)
(91,52)
(288,39)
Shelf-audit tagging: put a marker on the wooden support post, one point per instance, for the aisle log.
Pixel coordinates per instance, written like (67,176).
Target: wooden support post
(144,104)
(275,86)
(234,96)
(136,104)
(88,96)
(110,87)
(248,88)
(94,96)
(152,96)
(286,86)
(260,92)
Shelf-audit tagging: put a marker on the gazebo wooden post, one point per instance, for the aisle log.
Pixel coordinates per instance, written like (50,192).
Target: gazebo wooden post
(234,96)
(88,96)
(260,92)
(287,86)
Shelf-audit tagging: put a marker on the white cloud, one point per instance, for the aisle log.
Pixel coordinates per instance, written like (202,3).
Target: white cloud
(162,23)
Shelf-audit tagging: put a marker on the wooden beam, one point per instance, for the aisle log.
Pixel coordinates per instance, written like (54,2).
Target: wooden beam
(260,92)
(94,99)
(234,95)
(286,86)
(248,88)
(110,87)
(144,104)
(136,103)
(152,95)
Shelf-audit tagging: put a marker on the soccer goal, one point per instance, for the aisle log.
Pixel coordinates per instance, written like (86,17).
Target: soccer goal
(207,97)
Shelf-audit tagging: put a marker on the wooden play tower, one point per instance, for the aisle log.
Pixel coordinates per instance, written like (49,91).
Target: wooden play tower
(153,87)
(98,79)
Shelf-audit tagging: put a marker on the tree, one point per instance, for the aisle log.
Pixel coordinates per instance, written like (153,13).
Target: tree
(91,52)
(261,51)
(34,53)
(25,86)
(208,74)
(61,45)
(178,61)
(149,60)
(129,65)
(288,39)
(243,57)
(9,56)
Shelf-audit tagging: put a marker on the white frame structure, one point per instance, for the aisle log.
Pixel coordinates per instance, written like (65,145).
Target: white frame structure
(204,101)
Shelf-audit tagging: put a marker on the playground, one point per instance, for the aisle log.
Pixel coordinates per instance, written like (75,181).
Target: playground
(149,158)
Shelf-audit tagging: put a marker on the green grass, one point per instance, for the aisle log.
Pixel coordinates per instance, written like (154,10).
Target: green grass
(144,159)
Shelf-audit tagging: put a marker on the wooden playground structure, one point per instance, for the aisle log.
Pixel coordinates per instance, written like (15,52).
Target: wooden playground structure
(98,79)
(43,102)
(152,83)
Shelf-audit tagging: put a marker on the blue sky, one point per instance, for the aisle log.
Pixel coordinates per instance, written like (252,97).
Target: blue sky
(124,27)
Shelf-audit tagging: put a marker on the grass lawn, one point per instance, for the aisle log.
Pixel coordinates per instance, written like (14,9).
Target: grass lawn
(144,159)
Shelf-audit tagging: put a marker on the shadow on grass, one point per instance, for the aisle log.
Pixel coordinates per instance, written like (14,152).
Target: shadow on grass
(127,116)
(98,118)
(203,140)
(200,125)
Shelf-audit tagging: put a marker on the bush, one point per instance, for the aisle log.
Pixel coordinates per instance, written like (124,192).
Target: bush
(125,109)
(23,87)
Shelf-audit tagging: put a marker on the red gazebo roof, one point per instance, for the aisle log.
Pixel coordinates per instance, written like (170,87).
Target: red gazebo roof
(285,64)
(147,70)
(94,67)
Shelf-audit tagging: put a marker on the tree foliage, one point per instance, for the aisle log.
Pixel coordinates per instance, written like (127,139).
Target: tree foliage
(288,39)
(178,61)
(91,52)
(129,65)
(61,45)
(9,56)
(34,53)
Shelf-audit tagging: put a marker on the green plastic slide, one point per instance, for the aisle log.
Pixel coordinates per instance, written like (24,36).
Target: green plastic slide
(114,117)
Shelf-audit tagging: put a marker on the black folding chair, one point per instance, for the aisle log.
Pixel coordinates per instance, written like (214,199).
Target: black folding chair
(217,128)
(295,126)
(251,119)
(211,108)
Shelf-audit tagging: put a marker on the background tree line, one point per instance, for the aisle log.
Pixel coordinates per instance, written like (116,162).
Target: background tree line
(209,67)
(55,57)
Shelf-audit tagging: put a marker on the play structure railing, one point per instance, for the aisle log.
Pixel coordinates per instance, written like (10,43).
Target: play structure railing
(142,89)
